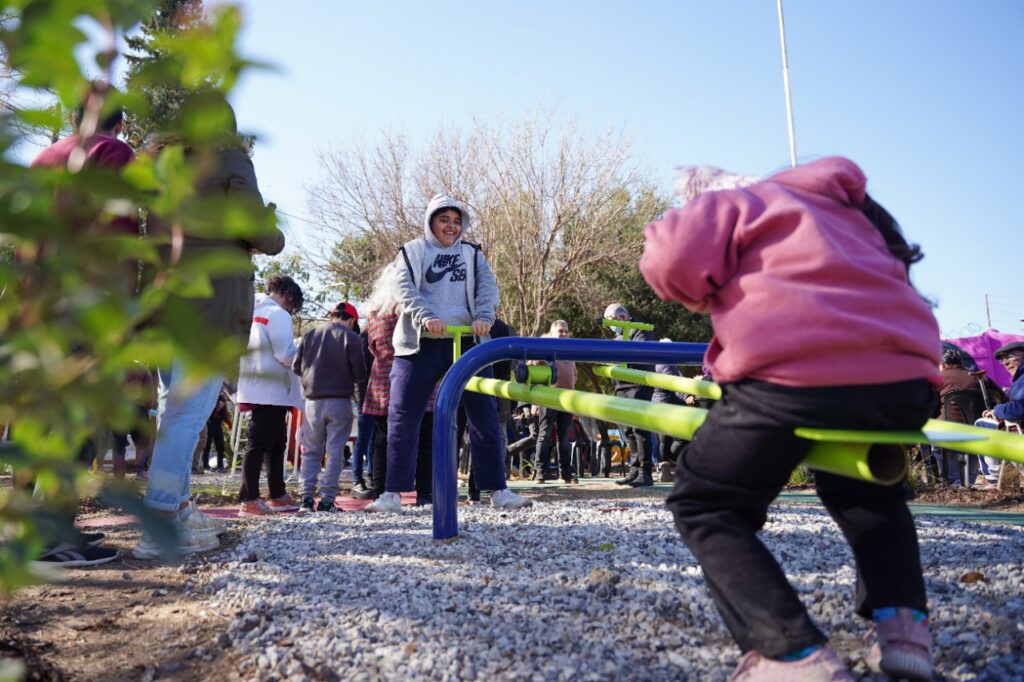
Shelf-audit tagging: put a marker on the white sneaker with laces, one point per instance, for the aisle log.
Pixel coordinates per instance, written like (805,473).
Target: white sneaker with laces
(387,503)
(192,517)
(189,541)
(506,499)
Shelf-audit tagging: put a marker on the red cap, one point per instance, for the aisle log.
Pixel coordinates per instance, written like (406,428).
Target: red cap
(345,308)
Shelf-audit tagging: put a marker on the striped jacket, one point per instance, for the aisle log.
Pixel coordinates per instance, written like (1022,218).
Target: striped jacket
(379,332)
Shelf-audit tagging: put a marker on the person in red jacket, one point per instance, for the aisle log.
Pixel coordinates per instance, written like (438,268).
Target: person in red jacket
(816,324)
(98,150)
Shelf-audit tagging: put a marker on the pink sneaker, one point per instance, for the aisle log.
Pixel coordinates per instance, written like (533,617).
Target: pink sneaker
(821,666)
(285,503)
(251,508)
(904,648)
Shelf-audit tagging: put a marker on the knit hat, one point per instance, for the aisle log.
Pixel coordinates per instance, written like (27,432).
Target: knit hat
(696,180)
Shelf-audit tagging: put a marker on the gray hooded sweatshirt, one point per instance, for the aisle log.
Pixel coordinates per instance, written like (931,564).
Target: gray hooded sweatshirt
(454,284)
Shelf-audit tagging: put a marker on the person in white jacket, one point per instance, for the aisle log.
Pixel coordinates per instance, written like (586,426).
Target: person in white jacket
(267,390)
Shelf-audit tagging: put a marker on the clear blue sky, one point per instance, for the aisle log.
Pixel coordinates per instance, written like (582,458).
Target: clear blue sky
(925,94)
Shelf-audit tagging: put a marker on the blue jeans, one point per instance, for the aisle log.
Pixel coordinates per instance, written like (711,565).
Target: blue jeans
(182,415)
(412,382)
(364,441)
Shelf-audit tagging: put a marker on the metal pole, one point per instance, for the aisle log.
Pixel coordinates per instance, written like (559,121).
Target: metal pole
(988,315)
(785,81)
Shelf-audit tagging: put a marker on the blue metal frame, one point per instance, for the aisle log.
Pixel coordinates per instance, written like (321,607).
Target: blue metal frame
(446,522)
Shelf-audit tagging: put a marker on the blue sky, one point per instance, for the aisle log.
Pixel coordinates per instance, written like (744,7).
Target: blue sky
(924,94)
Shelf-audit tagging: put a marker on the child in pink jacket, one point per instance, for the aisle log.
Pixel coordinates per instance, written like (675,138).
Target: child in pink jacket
(816,324)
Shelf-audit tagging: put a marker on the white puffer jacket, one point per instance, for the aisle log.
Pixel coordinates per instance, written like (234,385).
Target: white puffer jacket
(265,371)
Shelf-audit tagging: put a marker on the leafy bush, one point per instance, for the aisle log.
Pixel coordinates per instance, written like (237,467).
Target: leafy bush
(72,312)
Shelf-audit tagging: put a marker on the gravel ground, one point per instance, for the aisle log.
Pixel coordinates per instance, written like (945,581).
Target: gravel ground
(572,590)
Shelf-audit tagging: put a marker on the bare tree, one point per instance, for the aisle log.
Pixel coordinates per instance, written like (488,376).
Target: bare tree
(549,205)
(13,101)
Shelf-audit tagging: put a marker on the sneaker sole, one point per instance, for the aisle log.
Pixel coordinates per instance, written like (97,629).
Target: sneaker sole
(84,563)
(159,553)
(901,665)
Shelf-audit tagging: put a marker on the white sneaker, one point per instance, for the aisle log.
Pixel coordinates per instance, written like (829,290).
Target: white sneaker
(506,499)
(200,522)
(189,541)
(388,503)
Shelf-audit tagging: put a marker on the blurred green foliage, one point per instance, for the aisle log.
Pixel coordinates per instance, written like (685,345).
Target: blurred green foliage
(74,312)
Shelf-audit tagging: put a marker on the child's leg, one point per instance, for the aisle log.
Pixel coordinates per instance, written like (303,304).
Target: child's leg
(880,530)
(338,427)
(379,453)
(486,446)
(119,451)
(425,459)
(313,441)
(412,382)
(727,476)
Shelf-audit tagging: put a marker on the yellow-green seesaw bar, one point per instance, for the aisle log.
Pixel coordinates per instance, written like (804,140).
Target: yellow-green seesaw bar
(698,387)
(851,459)
(960,437)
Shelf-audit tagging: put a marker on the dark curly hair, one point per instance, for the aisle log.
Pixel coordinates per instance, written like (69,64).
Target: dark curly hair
(288,288)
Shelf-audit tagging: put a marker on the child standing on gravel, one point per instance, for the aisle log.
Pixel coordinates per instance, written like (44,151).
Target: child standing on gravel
(816,324)
(440,281)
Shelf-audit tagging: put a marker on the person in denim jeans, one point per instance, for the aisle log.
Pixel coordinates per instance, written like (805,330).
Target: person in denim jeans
(227,312)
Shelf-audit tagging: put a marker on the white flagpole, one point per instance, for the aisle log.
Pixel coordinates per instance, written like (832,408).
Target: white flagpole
(785,80)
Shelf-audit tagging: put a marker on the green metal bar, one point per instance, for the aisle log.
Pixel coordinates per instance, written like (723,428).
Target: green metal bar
(998,444)
(856,460)
(624,324)
(705,389)
(457,332)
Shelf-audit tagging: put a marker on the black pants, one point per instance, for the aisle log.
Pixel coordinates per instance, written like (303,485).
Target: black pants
(558,423)
(737,463)
(268,435)
(379,474)
(215,437)
(641,444)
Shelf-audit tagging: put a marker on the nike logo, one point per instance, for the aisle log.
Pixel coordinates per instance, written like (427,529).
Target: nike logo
(444,264)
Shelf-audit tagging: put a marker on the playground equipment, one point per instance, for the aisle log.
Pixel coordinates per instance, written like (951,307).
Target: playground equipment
(838,451)
(698,387)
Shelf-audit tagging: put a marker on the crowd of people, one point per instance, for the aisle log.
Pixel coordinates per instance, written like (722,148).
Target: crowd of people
(790,269)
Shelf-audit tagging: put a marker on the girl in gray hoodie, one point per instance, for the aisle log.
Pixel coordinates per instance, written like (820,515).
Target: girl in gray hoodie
(441,281)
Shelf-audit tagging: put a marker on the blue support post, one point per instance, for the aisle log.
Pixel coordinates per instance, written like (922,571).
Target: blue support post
(446,522)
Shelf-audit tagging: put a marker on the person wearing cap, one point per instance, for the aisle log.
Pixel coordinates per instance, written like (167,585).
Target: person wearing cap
(440,281)
(1011,355)
(329,362)
(962,399)
(640,442)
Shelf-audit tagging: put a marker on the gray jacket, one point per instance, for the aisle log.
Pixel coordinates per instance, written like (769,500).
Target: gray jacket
(410,265)
(329,361)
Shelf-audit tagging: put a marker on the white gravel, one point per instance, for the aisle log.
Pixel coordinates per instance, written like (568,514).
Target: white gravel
(569,591)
